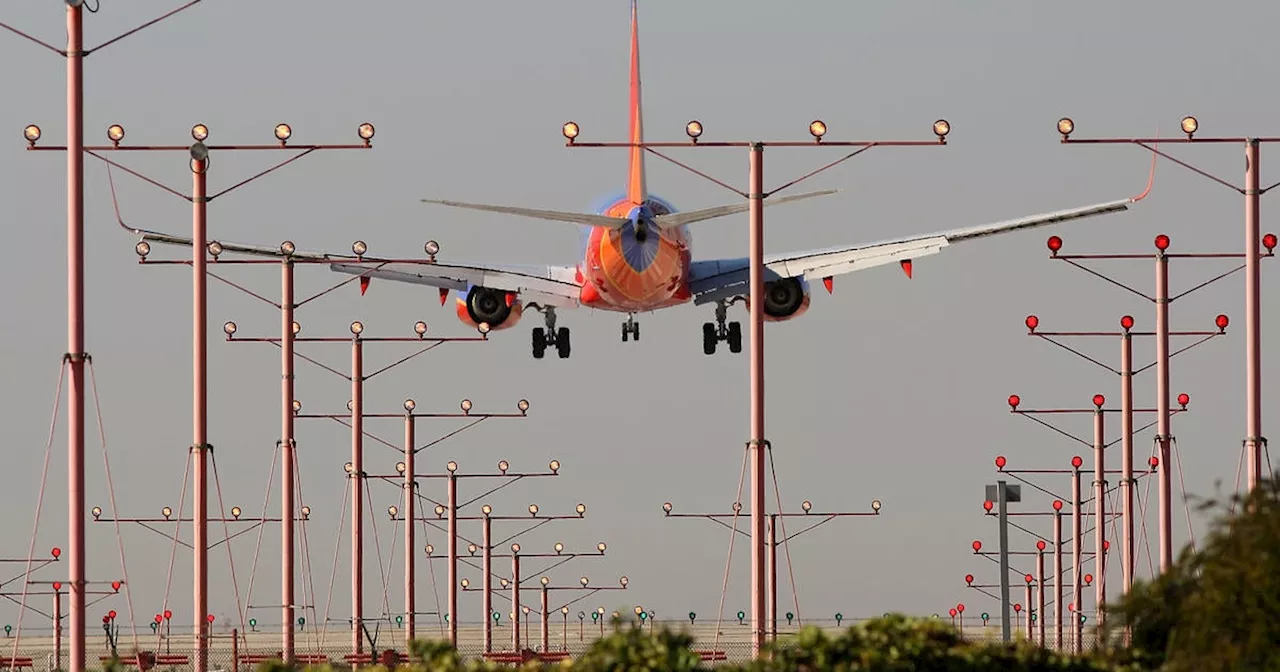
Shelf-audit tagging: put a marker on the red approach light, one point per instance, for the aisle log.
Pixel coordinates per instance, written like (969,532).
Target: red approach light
(1077,461)
(1032,322)
(115,585)
(968,579)
(960,607)
(1040,545)
(57,585)
(987,505)
(1269,241)
(105,620)
(1017,607)
(1126,322)
(977,546)
(168,614)
(1057,505)
(953,612)
(1055,244)
(1014,400)
(56,551)
(1184,399)
(1106,545)
(1099,400)
(1001,461)
(1088,579)
(1154,462)
(1162,242)
(159,618)
(1222,321)
(1071,607)
(111,614)
(209,618)
(1029,578)
(830,283)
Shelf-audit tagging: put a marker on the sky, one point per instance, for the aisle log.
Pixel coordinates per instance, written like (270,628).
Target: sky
(889,388)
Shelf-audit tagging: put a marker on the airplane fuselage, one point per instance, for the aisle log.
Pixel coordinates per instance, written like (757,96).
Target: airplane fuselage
(637,267)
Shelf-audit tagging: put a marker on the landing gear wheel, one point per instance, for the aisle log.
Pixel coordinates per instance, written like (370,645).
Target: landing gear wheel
(625,331)
(635,331)
(539,342)
(709,338)
(735,337)
(562,342)
(630,328)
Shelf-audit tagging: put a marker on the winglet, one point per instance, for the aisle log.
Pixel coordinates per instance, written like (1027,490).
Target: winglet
(1151,179)
(906,267)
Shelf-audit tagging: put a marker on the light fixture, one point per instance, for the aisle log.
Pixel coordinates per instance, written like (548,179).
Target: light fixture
(420,327)
(429,549)
(483,328)
(515,548)
(533,509)
(817,129)
(624,581)
(357,327)
(115,133)
(358,248)
(451,466)
(410,404)
(32,134)
(432,248)
(554,466)
(523,405)
(875,505)
(297,405)
(1190,126)
(584,581)
(465,584)
(601,547)
(235,512)
(297,328)
(199,152)
(486,509)
(503,466)
(392,510)
(1066,126)
(544,580)
(439,510)
(283,132)
(400,467)
(472,548)
(200,132)
(737,507)
(565,611)
(229,328)
(570,130)
(806,505)
(215,249)
(941,128)
(582,508)
(365,131)
(97,511)
(693,129)
(559,547)
(465,405)
(306,512)
(666,507)
(167,511)
(348,467)
(287,248)
(351,405)
(143,248)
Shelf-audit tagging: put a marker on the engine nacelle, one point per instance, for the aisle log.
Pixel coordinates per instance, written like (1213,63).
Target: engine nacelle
(500,308)
(784,299)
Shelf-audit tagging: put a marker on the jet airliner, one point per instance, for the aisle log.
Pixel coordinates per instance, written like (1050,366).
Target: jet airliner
(635,256)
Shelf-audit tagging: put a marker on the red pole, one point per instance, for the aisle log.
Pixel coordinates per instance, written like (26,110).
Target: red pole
(200,411)
(515,601)
(772,610)
(410,607)
(1126,460)
(546,631)
(486,563)
(755,244)
(1100,513)
(453,558)
(357,494)
(1077,586)
(287,455)
(1057,579)
(1040,594)
(1253,312)
(1162,410)
(1030,635)
(235,650)
(75,330)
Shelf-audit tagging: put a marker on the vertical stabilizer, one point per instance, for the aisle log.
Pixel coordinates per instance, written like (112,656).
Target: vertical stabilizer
(635,178)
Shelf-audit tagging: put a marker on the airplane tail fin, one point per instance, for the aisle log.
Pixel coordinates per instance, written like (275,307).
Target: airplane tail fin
(636,192)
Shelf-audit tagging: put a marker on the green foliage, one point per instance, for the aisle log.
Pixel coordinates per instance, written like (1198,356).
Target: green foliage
(634,649)
(1217,608)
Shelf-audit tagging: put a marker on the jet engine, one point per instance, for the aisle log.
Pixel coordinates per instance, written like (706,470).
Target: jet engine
(784,299)
(499,308)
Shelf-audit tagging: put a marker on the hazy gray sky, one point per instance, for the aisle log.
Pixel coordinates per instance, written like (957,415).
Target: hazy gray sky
(889,388)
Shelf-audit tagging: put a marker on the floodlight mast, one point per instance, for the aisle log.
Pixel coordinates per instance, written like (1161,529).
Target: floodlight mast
(1254,442)
(757,444)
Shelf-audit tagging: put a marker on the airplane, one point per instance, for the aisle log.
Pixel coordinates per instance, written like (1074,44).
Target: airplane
(635,256)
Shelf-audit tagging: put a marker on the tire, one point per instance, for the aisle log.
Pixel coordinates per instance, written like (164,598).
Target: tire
(539,342)
(735,337)
(635,331)
(709,338)
(562,342)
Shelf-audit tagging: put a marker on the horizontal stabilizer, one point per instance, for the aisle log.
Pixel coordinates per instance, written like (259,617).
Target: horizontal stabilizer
(676,219)
(553,215)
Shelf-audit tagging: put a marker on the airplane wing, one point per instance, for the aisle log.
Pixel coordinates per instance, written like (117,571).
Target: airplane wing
(719,279)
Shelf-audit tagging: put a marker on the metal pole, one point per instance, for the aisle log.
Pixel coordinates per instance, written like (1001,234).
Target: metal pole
(486,562)
(755,252)
(1004,561)
(287,455)
(200,412)
(1029,612)
(1040,595)
(1126,460)
(357,494)
(1100,514)
(1253,312)
(772,611)
(453,559)
(515,601)
(1077,534)
(1162,410)
(75,356)
(545,629)
(409,551)
(57,630)
(1057,579)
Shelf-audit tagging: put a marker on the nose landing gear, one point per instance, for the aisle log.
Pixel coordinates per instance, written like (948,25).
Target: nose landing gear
(713,333)
(631,327)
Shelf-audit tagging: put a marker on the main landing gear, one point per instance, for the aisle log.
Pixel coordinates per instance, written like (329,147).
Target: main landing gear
(557,338)
(631,327)
(712,333)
